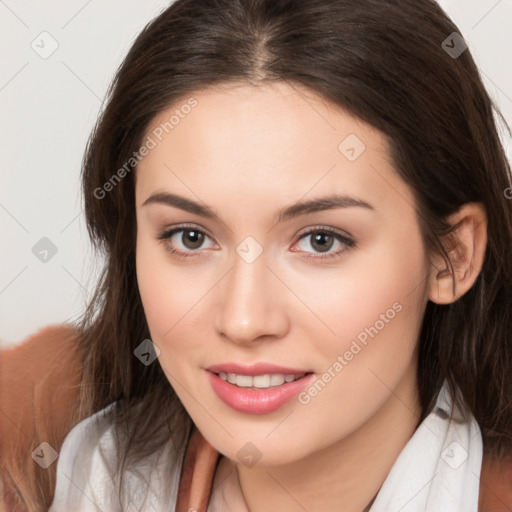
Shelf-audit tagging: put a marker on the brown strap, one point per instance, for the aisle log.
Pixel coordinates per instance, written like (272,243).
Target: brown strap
(197,474)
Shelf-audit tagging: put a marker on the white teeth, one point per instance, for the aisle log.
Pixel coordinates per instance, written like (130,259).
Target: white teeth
(277,379)
(244,381)
(261,381)
(258,381)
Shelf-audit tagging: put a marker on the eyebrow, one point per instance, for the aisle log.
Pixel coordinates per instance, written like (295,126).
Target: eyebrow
(288,212)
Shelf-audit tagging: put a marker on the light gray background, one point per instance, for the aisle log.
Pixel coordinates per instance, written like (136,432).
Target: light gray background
(49,106)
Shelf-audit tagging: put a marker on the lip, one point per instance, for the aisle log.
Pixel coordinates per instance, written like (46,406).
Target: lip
(257,401)
(255,369)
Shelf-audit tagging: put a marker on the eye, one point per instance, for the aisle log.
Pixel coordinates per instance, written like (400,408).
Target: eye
(322,239)
(190,238)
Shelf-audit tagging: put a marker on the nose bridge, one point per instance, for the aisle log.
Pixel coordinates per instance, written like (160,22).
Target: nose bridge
(250,300)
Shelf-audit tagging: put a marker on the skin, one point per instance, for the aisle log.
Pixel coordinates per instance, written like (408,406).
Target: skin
(246,152)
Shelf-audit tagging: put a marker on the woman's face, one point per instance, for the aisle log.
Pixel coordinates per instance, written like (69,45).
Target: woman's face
(335,290)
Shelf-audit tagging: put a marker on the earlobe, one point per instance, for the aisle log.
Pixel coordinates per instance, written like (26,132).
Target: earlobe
(466,249)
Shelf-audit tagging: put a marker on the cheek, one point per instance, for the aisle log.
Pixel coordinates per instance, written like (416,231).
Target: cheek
(161,285)
(172,296)
(377,325)
(165,303)
(376,292)
(157,297)
(163,292)
(401,298)
(376,316)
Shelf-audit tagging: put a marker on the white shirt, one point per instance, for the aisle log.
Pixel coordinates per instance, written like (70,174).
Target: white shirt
(438,469)
(86,480)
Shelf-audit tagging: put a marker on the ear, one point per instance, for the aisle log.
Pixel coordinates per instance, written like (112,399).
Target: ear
(466,250)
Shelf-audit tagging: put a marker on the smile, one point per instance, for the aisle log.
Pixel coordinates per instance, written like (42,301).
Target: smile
(258,394)
(258,381)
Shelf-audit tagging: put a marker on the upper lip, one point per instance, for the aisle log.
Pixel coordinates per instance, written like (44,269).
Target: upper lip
(255,369)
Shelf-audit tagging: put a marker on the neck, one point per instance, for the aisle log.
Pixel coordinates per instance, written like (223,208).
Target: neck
(346,475)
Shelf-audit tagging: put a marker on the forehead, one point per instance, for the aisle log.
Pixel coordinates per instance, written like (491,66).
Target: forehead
(276,141)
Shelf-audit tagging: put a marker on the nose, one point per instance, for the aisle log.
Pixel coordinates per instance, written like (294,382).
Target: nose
(251,303)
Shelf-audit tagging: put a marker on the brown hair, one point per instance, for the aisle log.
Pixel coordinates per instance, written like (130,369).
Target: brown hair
(384,63)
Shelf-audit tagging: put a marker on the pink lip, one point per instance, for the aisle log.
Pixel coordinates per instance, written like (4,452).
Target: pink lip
(255,369)
(257,401)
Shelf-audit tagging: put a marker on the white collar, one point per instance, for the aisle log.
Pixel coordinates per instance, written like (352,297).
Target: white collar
(439,467)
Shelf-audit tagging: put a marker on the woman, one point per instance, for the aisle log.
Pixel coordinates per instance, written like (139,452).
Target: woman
(306,303)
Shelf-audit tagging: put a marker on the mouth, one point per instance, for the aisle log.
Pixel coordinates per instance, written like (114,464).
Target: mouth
(259,393)
(263,381)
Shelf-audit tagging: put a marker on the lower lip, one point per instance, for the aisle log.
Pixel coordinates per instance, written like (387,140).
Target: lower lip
(257,401)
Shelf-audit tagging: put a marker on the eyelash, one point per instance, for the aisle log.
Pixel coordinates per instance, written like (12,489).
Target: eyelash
(349,243)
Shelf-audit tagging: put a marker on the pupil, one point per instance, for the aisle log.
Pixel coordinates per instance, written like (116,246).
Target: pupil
(319,237)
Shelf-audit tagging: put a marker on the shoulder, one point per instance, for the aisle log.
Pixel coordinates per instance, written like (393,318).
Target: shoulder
(87,470)
(44,370)
(83,464)
(45,363)
(40,374)
(495,485)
